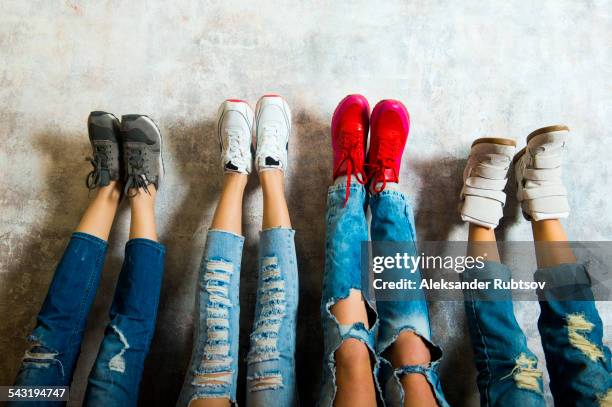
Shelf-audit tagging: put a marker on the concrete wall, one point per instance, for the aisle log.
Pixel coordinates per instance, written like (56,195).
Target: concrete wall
(464,69)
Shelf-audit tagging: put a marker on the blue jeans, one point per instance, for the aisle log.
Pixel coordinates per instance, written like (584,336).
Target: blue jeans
(213,370)
(572,338)
(392,220)
(56,339)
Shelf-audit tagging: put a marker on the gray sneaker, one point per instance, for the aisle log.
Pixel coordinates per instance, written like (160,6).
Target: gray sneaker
(103,131)
(142,152)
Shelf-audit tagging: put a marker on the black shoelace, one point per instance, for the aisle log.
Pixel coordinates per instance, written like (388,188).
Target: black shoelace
(136,172)
(100,163)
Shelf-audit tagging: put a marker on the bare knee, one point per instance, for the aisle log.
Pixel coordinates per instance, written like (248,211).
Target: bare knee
(354,375)
(352,353)
(409,349)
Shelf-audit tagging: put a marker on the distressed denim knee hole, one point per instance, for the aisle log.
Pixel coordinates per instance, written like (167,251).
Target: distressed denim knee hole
(404,353)
(266,330)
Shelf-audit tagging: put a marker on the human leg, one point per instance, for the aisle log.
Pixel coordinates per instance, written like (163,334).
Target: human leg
(507,369)
(56,340)
(211,379)
(409,358)
(349,365)
(271,376)
(578,362)
(115,377)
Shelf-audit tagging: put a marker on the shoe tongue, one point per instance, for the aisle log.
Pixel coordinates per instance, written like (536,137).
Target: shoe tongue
(231,166)
(272,161)
(389,174)
(104,178)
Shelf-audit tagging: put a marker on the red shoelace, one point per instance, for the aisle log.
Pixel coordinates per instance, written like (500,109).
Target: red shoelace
(351,145)
(388,149)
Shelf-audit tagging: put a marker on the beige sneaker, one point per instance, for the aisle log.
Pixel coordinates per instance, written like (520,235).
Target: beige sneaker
(484,179)
(538,174)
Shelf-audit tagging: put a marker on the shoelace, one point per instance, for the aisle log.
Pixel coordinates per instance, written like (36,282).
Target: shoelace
(269,142)
(388,148)
(136,171)
(99,162)
(350,149)
(235,150)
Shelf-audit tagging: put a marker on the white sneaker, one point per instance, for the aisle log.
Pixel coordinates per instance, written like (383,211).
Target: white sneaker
(484,179)
(272,131)
(234,128)
(538,174)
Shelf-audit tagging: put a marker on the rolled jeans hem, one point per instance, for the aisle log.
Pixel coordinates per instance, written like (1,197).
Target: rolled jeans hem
(90,238)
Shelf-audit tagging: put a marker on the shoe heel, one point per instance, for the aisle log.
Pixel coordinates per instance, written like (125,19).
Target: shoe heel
(547,129)
(495,140)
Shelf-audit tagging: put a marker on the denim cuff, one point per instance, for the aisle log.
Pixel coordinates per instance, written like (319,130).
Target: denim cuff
(569,281)
(225,232)
(90,238)
(393,193)
(564,274)
(341,199)
(279,229)
(354,186)
(146,242)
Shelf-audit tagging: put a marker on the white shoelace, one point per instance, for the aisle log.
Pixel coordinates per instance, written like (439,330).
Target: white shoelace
(268,143)
(236,148)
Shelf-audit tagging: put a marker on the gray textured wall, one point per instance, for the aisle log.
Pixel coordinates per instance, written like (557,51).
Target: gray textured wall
(464,69)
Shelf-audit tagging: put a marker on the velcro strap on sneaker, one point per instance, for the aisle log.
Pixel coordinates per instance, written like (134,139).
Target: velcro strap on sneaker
(542,174)
(542,192)
(489,172)
(485,211)
(486,183)
(546,161)
(538,208)
(498,196)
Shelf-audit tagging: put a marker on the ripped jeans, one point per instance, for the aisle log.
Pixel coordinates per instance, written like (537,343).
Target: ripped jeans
(392,220)
(213,369)
(56,340)
(577,361)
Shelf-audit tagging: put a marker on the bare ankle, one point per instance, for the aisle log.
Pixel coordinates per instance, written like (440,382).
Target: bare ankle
(235,179)
(271,177)
(112,191)
(142,196)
